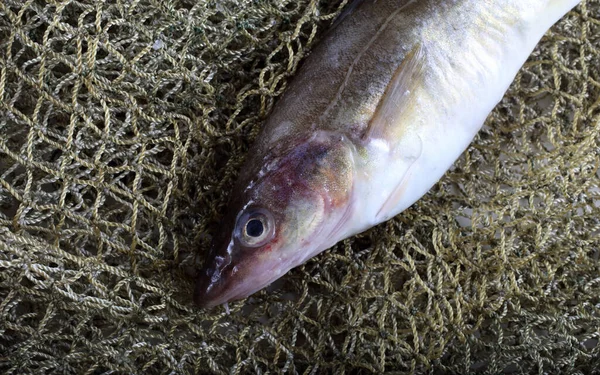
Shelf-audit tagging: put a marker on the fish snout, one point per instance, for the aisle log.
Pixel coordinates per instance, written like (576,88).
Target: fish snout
(202,294)
(211,282)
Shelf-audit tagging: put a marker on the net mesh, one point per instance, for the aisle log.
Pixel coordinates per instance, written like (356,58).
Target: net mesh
(122,128)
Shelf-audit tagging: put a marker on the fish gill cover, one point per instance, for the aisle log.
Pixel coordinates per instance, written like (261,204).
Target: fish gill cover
(122,128)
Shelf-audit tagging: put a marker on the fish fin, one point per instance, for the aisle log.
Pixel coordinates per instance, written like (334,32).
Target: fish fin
(397,94)
(342,224)
(410,149)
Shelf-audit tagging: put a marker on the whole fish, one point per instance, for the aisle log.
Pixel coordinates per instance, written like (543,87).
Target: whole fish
(378,112)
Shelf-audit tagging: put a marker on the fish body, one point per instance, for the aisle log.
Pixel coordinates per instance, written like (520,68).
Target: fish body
(377,113)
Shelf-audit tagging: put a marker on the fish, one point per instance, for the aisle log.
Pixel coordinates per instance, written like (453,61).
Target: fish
(382,107)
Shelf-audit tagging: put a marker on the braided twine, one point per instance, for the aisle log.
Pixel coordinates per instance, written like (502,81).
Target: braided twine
(123,125)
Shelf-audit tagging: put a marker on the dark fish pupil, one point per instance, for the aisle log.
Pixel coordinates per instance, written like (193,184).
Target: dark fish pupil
(254,228)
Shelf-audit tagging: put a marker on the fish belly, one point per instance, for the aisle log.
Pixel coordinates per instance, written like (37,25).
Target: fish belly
(471,52)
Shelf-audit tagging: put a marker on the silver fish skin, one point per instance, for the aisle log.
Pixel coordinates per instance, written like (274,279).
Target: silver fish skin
(374,117)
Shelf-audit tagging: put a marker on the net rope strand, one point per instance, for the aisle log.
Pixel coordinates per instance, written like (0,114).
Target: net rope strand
(123,126)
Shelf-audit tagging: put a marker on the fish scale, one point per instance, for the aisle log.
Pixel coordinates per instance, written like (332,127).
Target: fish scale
(377,113)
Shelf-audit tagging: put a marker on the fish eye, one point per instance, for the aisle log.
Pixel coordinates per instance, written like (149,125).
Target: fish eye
(255,228)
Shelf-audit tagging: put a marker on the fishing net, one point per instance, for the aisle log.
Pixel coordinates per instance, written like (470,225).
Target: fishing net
(122,128)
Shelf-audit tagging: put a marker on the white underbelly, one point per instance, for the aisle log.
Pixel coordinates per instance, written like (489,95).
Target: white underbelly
(460,90)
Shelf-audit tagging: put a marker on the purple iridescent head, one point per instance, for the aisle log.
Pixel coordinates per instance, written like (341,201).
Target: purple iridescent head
(286,208)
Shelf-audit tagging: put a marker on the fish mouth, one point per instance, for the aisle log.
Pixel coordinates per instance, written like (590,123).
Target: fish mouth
(215,287)
(206,297)
(227,280)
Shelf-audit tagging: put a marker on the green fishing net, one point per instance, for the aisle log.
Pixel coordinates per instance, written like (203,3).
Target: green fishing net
(123,125)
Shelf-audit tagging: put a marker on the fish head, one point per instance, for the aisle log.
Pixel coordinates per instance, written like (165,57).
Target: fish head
(282,212)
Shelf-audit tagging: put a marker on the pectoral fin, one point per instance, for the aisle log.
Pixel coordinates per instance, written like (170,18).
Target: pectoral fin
(398,94)
(409,149)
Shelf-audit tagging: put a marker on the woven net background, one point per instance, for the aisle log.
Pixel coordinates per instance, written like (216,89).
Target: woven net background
(122,128)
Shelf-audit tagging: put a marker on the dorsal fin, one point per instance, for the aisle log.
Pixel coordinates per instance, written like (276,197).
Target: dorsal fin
(397,95)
